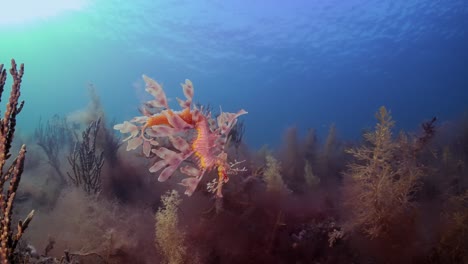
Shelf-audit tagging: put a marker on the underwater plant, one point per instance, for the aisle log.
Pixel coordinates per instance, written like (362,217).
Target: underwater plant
(453,244)
(382,181)
(169,239)
(52,137)
(9,240)
(86,161)
(272,177)
(192,132)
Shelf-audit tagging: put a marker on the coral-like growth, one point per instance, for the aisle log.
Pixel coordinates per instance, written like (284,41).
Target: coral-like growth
(191,132)
(8,240)
(52,137)
(383,179)
(86,161)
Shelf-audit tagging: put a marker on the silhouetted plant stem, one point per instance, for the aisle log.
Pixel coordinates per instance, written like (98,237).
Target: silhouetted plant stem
(86,162)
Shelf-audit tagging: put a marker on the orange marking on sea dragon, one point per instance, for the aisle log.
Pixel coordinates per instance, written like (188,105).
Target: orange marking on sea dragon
(161,119)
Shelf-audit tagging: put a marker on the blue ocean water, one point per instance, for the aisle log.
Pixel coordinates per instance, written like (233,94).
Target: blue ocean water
(288,63)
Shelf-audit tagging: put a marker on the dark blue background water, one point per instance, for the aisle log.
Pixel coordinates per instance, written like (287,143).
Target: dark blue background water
(304,63)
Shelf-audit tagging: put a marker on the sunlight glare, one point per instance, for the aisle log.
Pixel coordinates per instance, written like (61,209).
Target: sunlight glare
(25,11)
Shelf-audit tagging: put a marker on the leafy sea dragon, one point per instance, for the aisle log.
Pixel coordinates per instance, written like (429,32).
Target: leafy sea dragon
(192,132)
